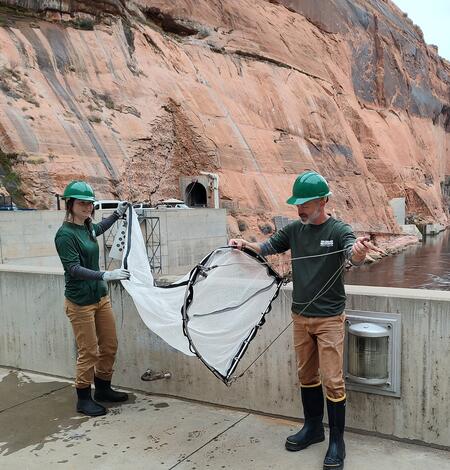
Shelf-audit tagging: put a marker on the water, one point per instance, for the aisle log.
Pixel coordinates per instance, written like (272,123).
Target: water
(424,266)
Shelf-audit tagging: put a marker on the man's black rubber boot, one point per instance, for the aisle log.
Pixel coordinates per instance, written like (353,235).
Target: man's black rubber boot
(312,431)
(334,459)
(87,405)
(104,392)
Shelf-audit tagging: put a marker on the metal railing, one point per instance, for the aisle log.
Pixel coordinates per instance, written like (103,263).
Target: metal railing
(6,203)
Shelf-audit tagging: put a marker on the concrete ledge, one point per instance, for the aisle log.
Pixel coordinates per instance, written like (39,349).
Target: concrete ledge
(434,229)
(411,229)
(397,292)
(30,269)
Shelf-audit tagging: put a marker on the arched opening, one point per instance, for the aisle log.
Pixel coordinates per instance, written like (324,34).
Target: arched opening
(195,195)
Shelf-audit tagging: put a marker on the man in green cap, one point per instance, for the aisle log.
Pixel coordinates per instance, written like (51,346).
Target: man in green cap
(320,245)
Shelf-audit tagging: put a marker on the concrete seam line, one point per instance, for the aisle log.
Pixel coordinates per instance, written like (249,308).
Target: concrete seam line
(35,398)
(212,439)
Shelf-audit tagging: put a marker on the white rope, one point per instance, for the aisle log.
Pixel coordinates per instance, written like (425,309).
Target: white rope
(207,268)
(331,280)
(321,254)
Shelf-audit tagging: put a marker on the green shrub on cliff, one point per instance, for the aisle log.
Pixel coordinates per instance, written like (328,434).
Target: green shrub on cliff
(9,178)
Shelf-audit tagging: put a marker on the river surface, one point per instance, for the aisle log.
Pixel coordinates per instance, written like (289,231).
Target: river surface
(422,266)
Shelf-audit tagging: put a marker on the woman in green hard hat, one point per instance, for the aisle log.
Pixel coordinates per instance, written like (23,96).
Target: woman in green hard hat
(317,308)
(87,303)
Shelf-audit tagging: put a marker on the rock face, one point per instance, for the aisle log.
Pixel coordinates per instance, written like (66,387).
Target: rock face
(133,95)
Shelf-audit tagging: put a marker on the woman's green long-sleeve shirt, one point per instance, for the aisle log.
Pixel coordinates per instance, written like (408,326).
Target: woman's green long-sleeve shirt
(76,248)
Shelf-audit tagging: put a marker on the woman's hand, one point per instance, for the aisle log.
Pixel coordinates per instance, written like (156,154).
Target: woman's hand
(122,208)
(116,275)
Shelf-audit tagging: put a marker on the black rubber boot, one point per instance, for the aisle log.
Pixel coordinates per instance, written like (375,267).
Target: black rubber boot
(104,392)
(87,405)
(312,431)
(334,459)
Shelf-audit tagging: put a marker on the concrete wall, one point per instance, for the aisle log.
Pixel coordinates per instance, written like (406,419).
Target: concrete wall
(434,229)
(35,335)
(399,209)
(423,411)
(29,235)
(189,235)
(411,229)
(26,238)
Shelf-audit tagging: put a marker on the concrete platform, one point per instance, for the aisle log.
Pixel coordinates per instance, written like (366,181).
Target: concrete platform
(39,428)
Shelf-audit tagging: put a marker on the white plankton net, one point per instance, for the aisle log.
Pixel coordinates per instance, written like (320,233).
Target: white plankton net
(212,312)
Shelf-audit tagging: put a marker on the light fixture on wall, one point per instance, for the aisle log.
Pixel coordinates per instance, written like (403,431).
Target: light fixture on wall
(368,353)
(373,352)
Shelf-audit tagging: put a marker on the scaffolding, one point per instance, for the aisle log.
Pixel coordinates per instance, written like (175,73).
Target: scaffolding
(151,231)
(6,203)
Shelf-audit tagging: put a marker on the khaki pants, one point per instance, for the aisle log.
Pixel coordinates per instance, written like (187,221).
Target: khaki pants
(95,334)
(319,345)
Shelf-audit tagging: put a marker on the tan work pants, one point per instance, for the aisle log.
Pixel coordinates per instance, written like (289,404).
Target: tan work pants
(95,335)
(319,347)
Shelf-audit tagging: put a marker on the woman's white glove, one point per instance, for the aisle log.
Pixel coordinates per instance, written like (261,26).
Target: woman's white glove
(116,275)
(122,208)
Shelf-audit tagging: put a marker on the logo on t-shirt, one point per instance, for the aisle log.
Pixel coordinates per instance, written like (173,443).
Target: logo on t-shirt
(326,242)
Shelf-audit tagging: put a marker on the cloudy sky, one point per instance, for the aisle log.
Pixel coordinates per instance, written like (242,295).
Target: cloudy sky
(433,17)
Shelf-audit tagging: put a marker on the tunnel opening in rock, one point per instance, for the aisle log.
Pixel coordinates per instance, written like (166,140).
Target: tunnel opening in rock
(195,195)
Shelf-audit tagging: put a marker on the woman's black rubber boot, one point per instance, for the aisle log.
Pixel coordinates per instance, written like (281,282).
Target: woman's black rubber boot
(334,459)
(87,405)
(312,430)
(104,392)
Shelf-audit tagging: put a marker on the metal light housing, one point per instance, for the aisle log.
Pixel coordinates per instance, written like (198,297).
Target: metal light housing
(372,359)
(368,354)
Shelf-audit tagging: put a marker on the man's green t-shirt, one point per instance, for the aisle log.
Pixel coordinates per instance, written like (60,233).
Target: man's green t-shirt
(311,276)
(76,247)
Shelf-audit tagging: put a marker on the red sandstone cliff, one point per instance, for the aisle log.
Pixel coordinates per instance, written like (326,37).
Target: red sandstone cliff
(132,95)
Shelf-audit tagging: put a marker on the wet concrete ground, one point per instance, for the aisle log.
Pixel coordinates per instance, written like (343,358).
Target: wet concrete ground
(40,429)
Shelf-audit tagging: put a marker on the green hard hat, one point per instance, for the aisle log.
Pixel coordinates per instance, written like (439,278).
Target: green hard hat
(308,186)
(79,190)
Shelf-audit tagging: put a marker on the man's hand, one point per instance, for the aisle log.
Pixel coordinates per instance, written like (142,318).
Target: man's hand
(116,275)
(238,243)
(122,207)
(361,247)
